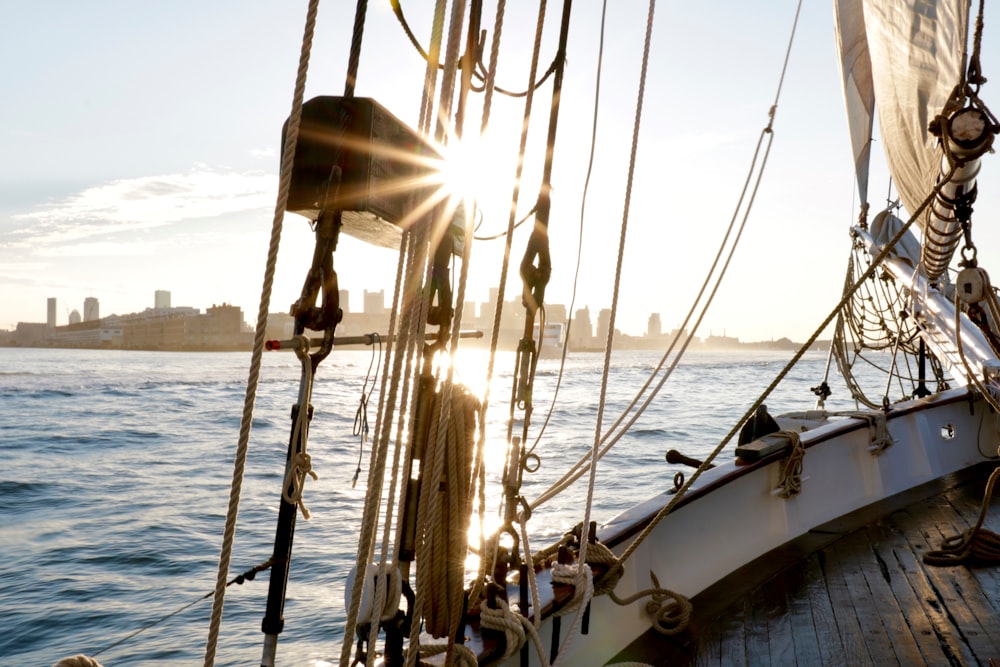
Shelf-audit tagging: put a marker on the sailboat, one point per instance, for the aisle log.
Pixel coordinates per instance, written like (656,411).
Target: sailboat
(719,568)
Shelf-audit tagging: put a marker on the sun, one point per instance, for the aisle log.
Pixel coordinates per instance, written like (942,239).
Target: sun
(478,171)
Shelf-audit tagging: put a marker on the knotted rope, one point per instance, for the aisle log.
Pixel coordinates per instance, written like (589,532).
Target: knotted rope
(502,619)
(300,466)
(599,554)
(669,611)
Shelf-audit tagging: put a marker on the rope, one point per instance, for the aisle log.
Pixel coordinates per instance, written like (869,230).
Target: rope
(878,429)
(666,509)
(459,655)
(78,660)
(976,543)
(670,611)
(609,345)
(486,75)
(412,256)
(570,575)
(508,239)
(516,628)
(599,554)
(246,421)
(790,482)
(484,562)
(583,580)
(579,245)
(360,429)
(612,437)
(445,509)
(300,464)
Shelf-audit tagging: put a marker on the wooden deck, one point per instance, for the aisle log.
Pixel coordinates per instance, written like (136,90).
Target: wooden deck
(866,598)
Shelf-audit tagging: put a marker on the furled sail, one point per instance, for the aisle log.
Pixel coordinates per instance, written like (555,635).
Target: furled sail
(859,91)
(908,55)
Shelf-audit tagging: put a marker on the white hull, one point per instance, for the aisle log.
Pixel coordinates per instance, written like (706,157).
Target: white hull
(732,517)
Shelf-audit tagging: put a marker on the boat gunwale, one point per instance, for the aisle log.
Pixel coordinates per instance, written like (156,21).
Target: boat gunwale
(621,533)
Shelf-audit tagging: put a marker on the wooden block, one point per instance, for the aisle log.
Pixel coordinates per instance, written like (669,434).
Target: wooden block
(761,447)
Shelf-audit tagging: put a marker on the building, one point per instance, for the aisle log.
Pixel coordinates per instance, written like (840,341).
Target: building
(581,331)
(654,327)
(91,309)
(74,317)
(374,303)
(50,320)
(161,299)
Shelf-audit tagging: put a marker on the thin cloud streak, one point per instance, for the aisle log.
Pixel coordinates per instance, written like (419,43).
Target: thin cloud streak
(143,203)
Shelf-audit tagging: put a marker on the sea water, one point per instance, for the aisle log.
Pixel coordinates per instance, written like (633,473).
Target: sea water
(115,470)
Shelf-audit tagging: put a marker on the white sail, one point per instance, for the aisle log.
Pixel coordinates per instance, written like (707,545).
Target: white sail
(859,91)
(911,54)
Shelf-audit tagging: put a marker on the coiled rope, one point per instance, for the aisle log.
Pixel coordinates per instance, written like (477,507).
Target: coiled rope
(976,543)
(239,465)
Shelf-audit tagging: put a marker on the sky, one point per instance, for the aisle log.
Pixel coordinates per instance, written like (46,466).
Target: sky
(140,151)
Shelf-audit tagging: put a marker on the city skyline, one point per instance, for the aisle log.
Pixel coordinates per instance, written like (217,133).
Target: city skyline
(163,299)
(115,182)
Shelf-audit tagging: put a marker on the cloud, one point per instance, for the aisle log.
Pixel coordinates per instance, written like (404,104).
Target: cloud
(99,249)
(268,152)
(142,203)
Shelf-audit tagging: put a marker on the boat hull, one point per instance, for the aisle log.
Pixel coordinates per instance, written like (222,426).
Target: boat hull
(731,517)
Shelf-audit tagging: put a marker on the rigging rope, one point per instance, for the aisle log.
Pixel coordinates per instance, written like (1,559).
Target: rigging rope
(666,509)
(508,240)
(411,258)
(611,437)
(481,72)
(609,345)
(246,421)
(361,416)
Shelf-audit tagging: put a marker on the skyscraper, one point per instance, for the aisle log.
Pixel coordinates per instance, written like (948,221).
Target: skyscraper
(51,319)
(91,309)
(161,299)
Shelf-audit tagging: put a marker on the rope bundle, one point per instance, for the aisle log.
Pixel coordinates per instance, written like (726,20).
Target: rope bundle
(790,483)
(78,660)
(445,510)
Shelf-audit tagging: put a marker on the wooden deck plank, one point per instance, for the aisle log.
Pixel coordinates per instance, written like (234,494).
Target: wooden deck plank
(967,585)
(755,623)
(853,552)
(875,571)
(732,648)
(831,649)
(709,645)
(967,502)
(800,618)
(851,637)
(899,563)
(950,640)
(924,534)
(780,641)
(865,598)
